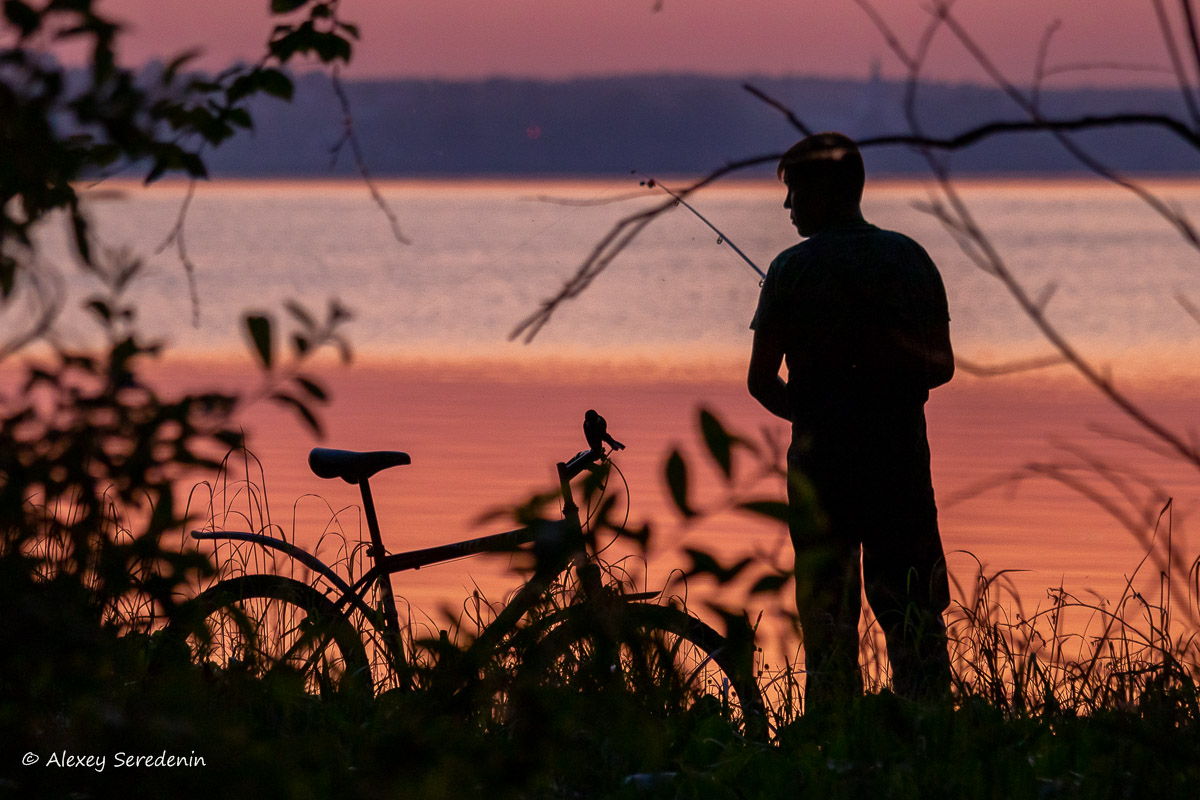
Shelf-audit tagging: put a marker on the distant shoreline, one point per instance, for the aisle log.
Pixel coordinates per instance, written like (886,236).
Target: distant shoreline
(258,182)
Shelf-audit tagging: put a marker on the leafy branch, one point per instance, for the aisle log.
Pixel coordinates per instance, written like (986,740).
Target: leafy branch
(67,130)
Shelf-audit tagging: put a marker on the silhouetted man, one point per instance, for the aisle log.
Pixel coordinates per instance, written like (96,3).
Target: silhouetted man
(860,316)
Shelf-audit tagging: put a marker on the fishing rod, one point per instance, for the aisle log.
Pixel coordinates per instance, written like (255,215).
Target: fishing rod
(651,183)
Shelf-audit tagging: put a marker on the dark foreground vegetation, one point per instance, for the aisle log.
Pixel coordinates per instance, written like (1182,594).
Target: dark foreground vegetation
(75,684)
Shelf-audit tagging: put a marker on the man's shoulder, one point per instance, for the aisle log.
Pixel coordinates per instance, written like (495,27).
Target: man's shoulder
(866,242)
(796,252)
(894,239)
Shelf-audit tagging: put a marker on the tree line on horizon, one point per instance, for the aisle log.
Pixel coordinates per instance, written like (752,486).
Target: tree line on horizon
(660,125)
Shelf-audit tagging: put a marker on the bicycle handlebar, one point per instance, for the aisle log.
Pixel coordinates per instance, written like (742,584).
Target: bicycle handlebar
(579,462)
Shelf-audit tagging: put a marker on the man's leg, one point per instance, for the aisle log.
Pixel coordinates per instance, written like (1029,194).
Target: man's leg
(828,587)
(907,598)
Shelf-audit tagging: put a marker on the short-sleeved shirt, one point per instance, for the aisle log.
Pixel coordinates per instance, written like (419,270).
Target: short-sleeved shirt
(855,309)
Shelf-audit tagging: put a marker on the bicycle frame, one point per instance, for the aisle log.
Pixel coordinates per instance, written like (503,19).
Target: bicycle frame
(557,545)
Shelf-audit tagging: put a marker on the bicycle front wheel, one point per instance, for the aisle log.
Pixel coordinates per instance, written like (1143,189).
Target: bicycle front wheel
(266,623)
(664,657)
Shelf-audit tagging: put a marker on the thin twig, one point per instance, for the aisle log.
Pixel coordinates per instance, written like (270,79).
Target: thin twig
(1039,70)
(1177,220)
(1116,66)
(47,301)
(960,222)
(1150,445)
(1168,35)
(780,107)
(1119,478)
(584,202)
(1093,375)
(619,236)
(349,136)
(176,235)
(1193,38)
(1007,367)
(1188,306)
(986,131)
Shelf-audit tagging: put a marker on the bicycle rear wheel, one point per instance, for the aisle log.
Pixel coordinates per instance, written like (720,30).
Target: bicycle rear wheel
(667,659)
(266,623)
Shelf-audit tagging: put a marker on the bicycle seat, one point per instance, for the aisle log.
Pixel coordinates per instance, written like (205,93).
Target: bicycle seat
(352,466)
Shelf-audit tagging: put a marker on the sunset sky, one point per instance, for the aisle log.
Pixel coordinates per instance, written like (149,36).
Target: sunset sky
(563,38)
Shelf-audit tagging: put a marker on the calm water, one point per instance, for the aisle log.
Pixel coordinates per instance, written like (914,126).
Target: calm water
(664,330)
(484,254)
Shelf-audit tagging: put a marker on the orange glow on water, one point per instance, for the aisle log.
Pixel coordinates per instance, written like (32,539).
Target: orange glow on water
(480,442)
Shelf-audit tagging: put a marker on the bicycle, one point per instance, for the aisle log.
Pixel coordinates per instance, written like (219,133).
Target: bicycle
(266,622)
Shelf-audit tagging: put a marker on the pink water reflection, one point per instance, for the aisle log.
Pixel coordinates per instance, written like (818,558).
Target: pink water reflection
(481,440)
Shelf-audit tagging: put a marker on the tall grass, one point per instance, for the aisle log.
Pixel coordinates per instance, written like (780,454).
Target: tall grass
(1067,699)
(1065,656)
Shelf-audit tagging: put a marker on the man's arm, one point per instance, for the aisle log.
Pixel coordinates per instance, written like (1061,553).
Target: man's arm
(941,355)
(764,382)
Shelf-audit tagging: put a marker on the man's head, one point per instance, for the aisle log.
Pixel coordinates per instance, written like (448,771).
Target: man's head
(824,175)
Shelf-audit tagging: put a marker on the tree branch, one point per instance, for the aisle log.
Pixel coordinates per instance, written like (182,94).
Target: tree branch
(349,136)
(619,236)
(780,107)
(1168,35)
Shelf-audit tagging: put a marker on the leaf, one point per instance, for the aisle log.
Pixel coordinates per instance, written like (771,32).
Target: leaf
(101,309)
(772,509)
(240,117)
(349,28)
(331,47)
(287,45)
(177,63)
(259,329)
(343,348)
(276,84)
(313,388)
(718,440)
(303,411)
(770,584)
(338,312)
(286,6)
(677,482)
(79,227)
(702,563)
(705,564)
(231,439)
(8,275)
(22,16)
(302,316)
(242,86)
(194,165)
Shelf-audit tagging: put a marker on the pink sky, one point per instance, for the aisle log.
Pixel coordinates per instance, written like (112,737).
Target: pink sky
(562,38)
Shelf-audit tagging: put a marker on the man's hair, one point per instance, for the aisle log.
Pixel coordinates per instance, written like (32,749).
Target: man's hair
(828,162)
